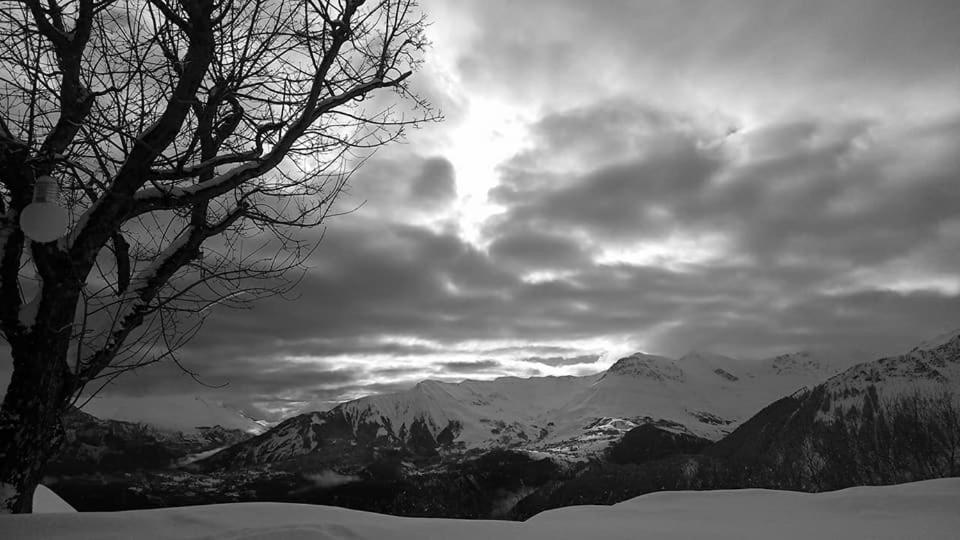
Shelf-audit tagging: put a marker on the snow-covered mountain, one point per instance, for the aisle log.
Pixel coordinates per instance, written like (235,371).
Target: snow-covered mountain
(933,366)
(881,422)
(889,420)
(701,394)
(185,413)
(936,341)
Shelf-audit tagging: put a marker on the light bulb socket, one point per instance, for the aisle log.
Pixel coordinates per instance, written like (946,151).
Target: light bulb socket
(45,189)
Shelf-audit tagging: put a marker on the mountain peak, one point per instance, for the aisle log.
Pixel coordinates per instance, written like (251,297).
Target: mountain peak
(808,361)
(705,356)
(938,340)
(647,366)
(792,357)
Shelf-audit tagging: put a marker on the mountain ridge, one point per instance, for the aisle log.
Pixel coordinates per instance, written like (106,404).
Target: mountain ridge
(566,417)
(890,420)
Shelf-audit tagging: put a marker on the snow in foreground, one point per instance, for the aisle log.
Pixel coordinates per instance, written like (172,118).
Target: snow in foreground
(48,502)
(919,510)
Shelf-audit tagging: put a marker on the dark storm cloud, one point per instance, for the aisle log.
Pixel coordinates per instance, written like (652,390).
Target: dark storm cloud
(528,249)
(295,340)
(435,182)
(800,202)
(403,287)
(270,380)
(394,185)
(470,367)
(600,132)
(533,348)
(396,371)
(875,322)
(365,286)
(405,281)
(604,132)
(648,162)
(261,377)
(853,196)
(850,191)
(624,198)
(562,360)
(366,283)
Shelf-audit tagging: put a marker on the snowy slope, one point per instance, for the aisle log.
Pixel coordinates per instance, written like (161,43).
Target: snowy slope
(46,501)
(700,394)
(184,413)
(938,340)
(891,418)
(932,366)
(918,510)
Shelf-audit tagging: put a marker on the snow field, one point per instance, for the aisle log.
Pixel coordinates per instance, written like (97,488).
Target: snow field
(927,510)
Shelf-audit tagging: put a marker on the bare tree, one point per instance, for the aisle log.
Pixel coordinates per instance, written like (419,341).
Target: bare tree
(189,140)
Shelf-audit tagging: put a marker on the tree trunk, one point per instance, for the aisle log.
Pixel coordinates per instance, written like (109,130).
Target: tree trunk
(30,419)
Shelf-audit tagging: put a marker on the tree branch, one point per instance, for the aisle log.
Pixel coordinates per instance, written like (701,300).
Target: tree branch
(112,209)
(152,199)
(145,287)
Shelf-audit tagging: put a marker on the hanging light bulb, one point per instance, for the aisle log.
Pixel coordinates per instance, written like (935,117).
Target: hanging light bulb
(44,220)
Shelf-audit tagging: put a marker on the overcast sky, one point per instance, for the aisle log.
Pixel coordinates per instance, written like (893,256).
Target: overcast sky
(747,177)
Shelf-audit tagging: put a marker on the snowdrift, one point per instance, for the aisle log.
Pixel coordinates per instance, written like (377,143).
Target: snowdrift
(48,502)
(918,510)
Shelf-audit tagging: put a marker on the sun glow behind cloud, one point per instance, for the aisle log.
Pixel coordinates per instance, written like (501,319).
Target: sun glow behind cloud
(489,133)
(479,134)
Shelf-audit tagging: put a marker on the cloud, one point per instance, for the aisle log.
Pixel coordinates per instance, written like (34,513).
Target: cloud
(788,214)
(875,321)
(530,249)
(848,191)
(748,177)
(470,367)
(811,221)
(435,182)
(400,186)
(531,348)
(562,360)
(627,199)
(260,376)
(758,57)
